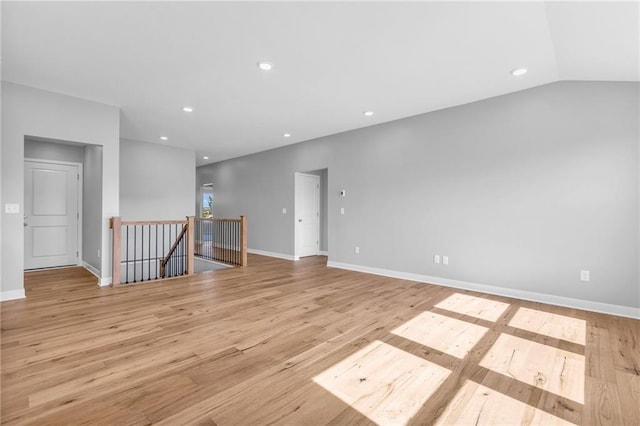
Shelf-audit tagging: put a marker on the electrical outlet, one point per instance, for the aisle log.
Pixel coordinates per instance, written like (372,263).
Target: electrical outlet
(284,210)
(436,258)
(445,260)
(356,250)
(341,210)
(585,275)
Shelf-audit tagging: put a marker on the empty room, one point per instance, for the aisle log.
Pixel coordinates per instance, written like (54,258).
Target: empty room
(309,213)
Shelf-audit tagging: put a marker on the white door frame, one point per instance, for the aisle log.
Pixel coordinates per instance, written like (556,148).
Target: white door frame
(296,251)
(80,203)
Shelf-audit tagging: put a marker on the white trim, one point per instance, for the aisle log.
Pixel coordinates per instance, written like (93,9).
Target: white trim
(272,254)
(91,269)
(102,282)
(201,259)
(606,308)
(42,160)
(323,253)
(12,295)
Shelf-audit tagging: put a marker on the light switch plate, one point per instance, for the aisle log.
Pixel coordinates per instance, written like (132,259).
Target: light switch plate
(12,208)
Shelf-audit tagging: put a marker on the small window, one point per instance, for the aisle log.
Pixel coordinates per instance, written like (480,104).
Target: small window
(206,201)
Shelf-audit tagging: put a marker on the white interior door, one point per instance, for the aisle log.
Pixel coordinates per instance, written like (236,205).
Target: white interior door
(50,215)
(307,214)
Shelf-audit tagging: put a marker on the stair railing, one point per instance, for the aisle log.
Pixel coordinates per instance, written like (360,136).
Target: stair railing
(151,250)
(222,240)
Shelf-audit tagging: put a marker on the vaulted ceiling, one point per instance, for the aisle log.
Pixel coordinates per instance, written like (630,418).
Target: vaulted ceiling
(332,61)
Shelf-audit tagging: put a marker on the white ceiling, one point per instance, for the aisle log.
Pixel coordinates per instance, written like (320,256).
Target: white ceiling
(332,61)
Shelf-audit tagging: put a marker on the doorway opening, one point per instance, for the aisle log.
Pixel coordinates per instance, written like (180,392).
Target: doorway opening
(310,226)
(62,204)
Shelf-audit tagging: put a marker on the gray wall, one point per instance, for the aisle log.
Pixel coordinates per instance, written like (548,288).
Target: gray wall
(53,151)
(27,111)
(92,206)
(157,182)
(521,191)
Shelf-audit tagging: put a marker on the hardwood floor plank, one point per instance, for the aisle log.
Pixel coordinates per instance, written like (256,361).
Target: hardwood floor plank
(602,404)
(243,346)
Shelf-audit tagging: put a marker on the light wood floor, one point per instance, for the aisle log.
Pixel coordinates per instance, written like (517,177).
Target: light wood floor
(298,343)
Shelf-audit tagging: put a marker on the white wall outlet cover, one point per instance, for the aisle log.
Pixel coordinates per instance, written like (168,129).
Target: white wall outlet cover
(585,275)
(341,210)
(12,208)
(284,210)
(436,258)
(356,250)
(445,260)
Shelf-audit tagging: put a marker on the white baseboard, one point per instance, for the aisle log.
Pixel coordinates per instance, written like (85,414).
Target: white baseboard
(12,295)
(272,254)
(102,282)
(201,259)
(605,308)
(91,269)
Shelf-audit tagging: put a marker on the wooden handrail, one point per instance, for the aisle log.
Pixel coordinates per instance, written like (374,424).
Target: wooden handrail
(214,219)
(164,261)
(154,222)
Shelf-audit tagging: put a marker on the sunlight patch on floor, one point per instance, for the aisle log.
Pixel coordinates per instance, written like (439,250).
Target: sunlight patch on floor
(449,335)
(384,383)
(554,370)
(476,307)
(552,325)
(475,404)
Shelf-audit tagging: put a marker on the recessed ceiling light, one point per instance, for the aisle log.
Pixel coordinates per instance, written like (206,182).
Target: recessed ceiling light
(205,158)
(368,113)
(286,135)
(265,66)
(164,138)
(518,72)
(187,109)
